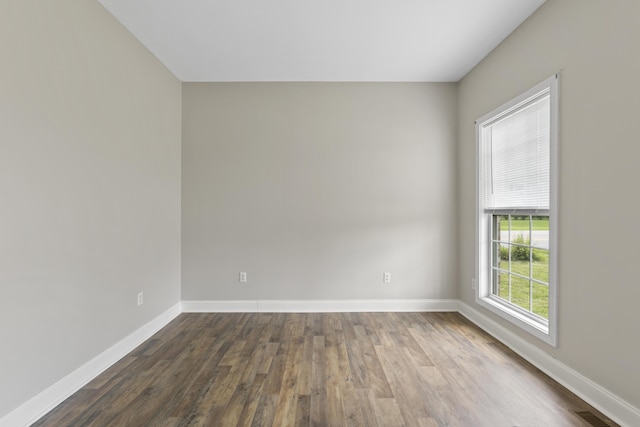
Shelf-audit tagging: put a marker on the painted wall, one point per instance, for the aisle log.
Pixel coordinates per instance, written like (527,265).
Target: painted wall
(594,44)
(316,189)
(89,188)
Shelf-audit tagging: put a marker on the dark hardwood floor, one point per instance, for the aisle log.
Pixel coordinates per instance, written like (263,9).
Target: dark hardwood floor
(331,369)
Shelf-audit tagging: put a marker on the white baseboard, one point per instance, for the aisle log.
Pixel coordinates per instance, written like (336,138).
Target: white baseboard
(318,306)
(235,306)
(600,398)
(36,407)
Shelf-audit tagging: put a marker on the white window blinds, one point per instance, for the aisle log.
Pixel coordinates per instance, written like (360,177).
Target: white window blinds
(515,157)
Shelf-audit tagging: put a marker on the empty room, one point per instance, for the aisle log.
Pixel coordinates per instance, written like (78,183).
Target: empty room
(337,213)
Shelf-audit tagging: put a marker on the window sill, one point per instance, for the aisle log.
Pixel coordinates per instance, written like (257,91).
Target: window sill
(538,329)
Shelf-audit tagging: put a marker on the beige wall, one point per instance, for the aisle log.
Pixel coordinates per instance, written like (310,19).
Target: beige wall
(89,189)
(317,189)
(594,44)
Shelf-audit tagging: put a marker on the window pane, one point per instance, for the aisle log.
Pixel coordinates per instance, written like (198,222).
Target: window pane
(502,226)
(520,225)
(520,292)
(500,254)
(540,223)
(520,267)
(541,265)
(520,249)
(512,251)
(495,283)
(540,236)
(503,286)
(541,300)
(504,260)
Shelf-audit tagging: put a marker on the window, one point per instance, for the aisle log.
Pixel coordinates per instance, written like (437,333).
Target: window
(517,210)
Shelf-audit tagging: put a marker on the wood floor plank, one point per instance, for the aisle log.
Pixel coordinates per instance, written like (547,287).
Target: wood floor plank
(321,369)
(407,395)
(387,412)
(306,369)
(334,406)
(265,411)
(318,383)
(253,398)
(201,381)
(287,399)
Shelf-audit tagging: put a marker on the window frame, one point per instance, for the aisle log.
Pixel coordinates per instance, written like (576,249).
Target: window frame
(546,332)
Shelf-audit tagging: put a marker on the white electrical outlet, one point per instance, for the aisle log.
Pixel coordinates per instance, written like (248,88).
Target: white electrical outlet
(243,277)
(140,300)
(473,283)
(386,277)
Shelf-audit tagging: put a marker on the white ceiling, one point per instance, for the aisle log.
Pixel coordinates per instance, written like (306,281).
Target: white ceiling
(321,40)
